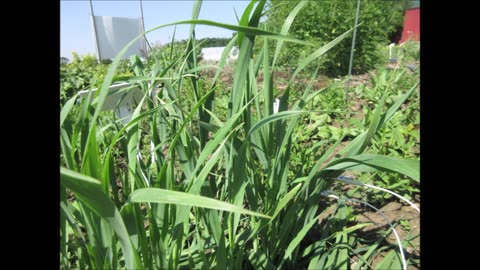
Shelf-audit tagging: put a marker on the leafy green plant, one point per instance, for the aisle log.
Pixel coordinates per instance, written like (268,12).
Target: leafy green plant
(220,193)
(406,52)
(83,72)
(409,51)
(332,99)
(400,137)
(321,21)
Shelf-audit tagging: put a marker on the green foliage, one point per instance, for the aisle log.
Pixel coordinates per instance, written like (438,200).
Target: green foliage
(77,75)
(331,99)
(64,60)
(400,137)
(83,72)
(409,51)
(322,21)
(222,191)
(213,42)
(176,49)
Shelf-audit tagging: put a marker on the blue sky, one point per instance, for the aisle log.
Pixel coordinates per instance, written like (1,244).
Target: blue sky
(76,34)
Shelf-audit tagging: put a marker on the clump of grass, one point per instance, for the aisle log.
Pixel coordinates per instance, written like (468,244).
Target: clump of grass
(219,194)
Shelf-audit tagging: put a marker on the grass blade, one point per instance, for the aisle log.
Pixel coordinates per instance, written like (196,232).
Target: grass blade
(158,195)
(364,162)
(67,107)
(296,240)
(286,26)
(283,202)
(391,261)
(273,117)
(244,20)
(89,191)
(319,52)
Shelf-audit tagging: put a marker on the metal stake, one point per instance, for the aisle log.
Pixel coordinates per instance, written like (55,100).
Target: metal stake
(92,17)
(351,52)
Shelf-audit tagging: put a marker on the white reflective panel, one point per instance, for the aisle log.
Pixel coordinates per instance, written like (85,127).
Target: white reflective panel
(113,33)
(120,98)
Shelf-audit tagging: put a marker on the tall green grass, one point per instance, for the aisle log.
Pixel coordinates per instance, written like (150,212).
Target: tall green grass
(218,194)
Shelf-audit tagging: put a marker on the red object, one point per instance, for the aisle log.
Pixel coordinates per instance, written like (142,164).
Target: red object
(411,25)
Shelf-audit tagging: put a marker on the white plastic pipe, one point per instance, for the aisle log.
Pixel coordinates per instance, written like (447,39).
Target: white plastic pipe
(351,181)
(331,194)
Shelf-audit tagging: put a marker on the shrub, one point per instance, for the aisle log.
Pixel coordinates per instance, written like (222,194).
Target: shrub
(82,72)
(322,21)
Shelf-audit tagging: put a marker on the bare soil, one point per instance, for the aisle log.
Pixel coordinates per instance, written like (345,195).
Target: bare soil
(395,212)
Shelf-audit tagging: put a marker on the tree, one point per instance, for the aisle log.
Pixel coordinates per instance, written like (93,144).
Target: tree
(322,21)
